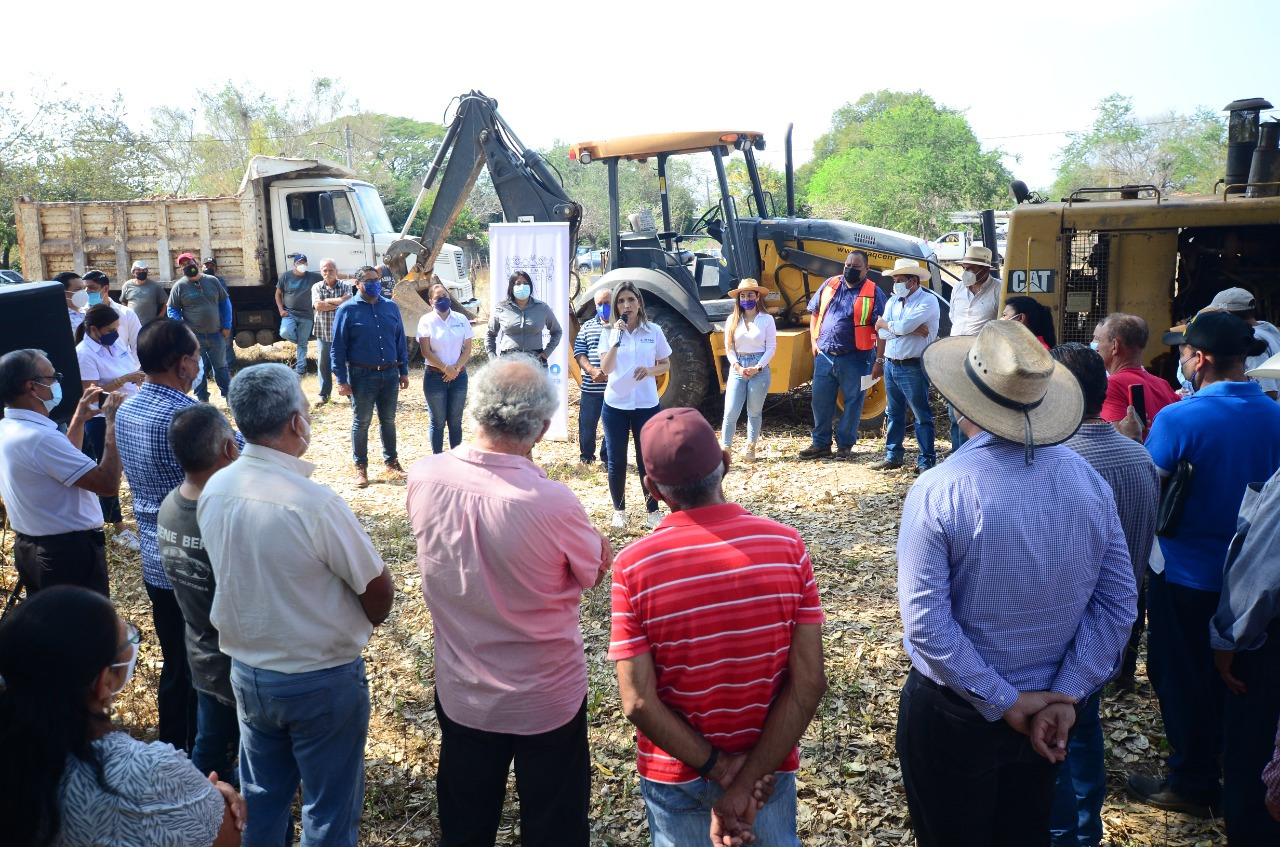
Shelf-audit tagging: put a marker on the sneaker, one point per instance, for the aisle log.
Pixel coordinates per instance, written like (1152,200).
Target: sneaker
(843,453)
(813,451)
(393,469)
(619,519)
(653,519)
(362,476)
(1156,792)
(750,455)
(885,465)
(128,538)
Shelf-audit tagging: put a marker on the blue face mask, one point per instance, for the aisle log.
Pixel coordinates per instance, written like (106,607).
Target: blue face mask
(52,402)
(748,304)
(94,298)
(521,291)
(443,305)
(372,288)
(603,311)
(1093,345)
(109,338)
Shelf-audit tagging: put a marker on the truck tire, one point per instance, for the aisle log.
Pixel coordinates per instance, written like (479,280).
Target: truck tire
(689,379)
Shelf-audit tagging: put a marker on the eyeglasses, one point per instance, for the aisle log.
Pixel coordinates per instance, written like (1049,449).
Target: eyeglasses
(55,376)
(134,637)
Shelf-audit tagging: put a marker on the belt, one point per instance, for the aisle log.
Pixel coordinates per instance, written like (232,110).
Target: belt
(915,360)
(374,367)
(75,533)
(434,369)
(841,353)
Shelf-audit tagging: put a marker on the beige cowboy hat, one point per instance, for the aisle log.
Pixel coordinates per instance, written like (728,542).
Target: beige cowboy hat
(909,267)
(750,285)
(977,255)
(1004,381)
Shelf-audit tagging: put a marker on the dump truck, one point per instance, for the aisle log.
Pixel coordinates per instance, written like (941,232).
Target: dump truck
(283,207)
(685,290)
(1135,249)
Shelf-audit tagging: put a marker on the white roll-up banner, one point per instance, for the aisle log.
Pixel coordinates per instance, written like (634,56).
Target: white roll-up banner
(542,251)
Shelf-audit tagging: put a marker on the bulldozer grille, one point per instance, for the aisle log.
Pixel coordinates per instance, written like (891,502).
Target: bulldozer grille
(1088,282)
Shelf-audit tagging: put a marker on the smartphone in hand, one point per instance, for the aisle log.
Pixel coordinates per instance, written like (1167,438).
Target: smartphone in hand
(1138,400)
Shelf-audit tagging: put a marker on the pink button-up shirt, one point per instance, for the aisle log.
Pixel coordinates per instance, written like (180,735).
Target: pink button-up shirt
(505,554)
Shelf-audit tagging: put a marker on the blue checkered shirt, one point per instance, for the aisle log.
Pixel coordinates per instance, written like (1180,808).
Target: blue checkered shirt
(142,437)
(1013,577)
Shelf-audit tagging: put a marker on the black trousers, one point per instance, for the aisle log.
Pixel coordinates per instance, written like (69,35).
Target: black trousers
(553,781)
(969,781)
(72,558)
(1129,666)
(95,444)
(176,700)
(1248,740)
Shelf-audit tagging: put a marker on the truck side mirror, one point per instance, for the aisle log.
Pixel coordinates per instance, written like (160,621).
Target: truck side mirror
(325,201)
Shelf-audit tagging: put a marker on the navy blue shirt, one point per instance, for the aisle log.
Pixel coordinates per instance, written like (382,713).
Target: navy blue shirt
(836,333)
(368,334)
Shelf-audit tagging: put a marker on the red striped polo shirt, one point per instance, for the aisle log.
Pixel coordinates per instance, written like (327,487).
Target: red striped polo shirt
(714,594)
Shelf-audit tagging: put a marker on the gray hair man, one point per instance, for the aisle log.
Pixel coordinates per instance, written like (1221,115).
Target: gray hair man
(300,589)
(47,483)
(505,554)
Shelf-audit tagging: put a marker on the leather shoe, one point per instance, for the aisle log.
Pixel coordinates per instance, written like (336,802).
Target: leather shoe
(362,476)
(1156,792)
(843,453)
(885,465)
(393,469)
(813,451)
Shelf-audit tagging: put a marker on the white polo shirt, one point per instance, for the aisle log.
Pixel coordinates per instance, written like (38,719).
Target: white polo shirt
(446,335)
(39,467)
(644,347)
(106,364)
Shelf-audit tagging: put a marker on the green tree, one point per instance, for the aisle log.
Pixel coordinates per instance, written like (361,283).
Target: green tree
(1175,153)
(907,166)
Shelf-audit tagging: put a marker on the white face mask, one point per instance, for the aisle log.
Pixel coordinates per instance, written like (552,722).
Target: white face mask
(301,268)
(199,370)
(306,439)
(900,289)
(969,278)
(80,299)
(128,666)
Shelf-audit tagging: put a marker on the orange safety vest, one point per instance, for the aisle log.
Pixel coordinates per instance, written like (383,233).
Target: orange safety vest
(864,305)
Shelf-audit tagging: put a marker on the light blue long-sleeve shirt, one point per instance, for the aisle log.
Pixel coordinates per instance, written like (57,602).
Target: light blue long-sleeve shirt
(1250,598)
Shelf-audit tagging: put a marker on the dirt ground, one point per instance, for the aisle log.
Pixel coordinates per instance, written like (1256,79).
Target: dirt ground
(850,789)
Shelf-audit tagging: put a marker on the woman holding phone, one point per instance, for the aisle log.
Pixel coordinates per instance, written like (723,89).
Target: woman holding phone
(637,352)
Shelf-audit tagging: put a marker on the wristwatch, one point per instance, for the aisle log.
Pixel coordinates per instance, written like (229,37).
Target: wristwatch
(879,360)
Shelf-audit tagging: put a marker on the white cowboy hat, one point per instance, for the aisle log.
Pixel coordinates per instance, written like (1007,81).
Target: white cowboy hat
(750,285)
(1270,369)
(977,255)
(1004,381)
(909,267)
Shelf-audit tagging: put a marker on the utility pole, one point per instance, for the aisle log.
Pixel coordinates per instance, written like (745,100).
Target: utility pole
(348,134)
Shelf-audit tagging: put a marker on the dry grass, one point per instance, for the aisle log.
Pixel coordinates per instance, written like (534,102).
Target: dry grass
(850,785)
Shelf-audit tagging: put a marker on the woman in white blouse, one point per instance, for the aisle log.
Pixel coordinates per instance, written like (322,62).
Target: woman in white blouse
(444,337)
(106,362)
(637,352)
(750,339)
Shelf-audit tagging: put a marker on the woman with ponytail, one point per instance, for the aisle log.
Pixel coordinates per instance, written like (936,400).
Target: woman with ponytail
(68,776)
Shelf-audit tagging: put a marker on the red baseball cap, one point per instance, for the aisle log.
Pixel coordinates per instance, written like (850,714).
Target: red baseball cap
(679,447)
(186,257)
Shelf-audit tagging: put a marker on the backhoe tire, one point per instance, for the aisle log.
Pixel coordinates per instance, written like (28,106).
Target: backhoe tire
(689,379)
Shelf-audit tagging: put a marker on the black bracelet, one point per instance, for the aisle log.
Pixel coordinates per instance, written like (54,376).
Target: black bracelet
(705,770)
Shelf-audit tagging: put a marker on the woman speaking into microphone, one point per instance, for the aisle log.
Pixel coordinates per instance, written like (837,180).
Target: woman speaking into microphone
(637,352)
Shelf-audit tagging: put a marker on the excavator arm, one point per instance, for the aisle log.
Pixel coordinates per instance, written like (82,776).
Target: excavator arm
(527,188)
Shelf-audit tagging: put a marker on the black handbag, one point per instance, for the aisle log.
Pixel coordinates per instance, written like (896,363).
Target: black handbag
(1173,498)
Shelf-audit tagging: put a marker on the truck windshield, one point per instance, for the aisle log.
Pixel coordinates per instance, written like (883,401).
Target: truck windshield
(374,212)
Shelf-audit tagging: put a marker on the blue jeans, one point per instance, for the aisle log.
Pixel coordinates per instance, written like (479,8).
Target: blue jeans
(590,405)
(297,330)
(370,389)
(618,423)
(213,346)
(308,727)
(744,391)
(680,814)
(834,375)
(445,401)
(217,738)
(1248,741)
(1076,819)
(324,367)
(906,385)
(958,437)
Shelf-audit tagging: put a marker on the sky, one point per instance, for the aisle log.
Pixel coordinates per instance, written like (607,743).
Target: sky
(1023,73)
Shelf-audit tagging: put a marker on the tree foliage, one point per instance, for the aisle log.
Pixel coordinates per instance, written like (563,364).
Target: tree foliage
(1176,153)
(903,162)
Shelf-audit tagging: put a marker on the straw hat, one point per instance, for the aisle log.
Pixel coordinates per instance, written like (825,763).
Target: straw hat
(1004,381)
(909,267)
(750,285)
(977,255)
